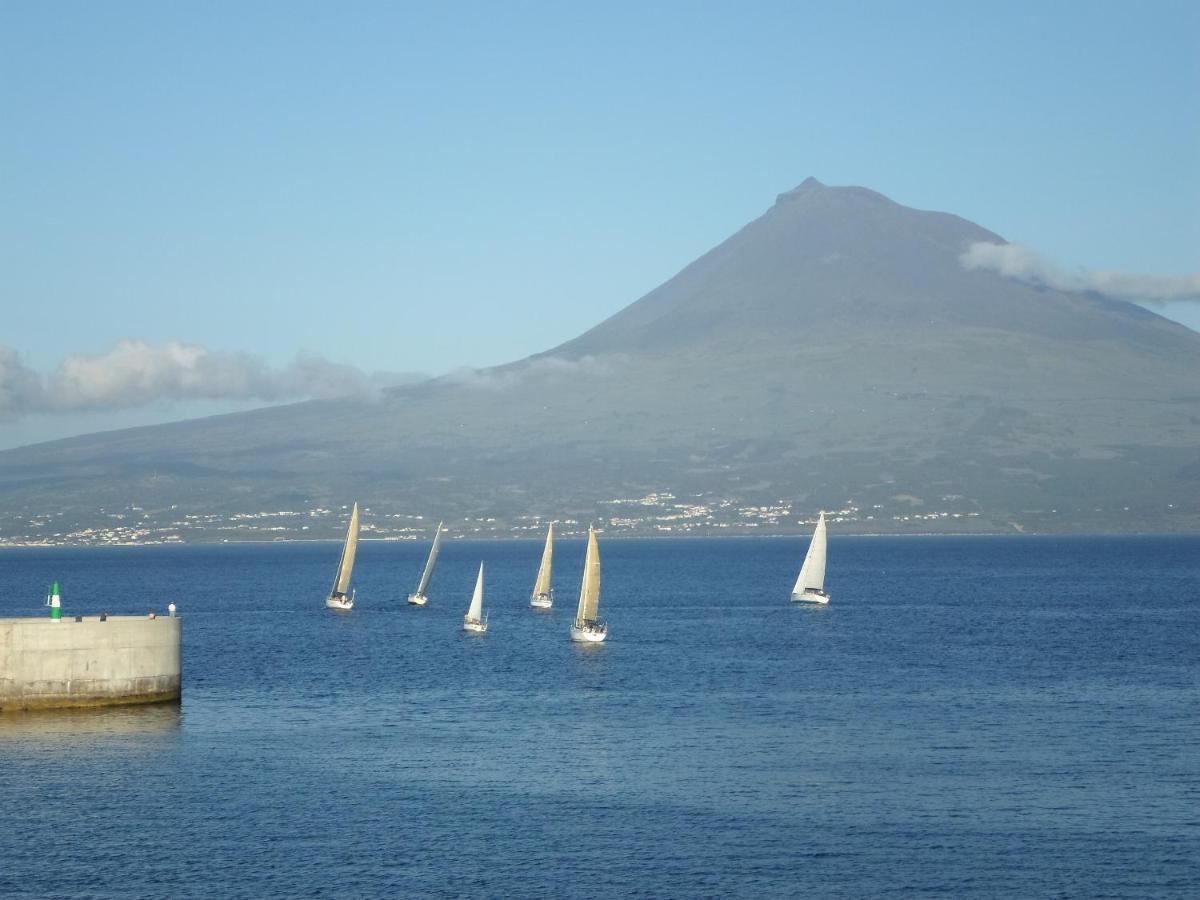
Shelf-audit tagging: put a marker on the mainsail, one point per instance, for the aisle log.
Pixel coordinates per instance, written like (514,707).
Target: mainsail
(589,591)
(342,582)
(812,573)
(542,585)
(433,552)
(476,611)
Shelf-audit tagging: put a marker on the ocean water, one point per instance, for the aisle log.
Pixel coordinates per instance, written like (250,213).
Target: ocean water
(969,717)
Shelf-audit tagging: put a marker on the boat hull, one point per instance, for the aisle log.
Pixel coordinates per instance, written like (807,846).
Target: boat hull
(474,626)
(418,599)
(819,597)
(342,603)
(541,601)
(590,634)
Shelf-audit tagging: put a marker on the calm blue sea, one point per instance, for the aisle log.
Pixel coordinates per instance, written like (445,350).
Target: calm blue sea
(970,717)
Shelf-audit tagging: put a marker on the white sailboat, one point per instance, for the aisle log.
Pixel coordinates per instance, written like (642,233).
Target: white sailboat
(419,597)
(338,597)
(810,583)
(587,628)
(473,620)
(543,592)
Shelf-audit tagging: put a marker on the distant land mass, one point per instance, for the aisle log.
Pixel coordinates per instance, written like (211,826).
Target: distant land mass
(833,354)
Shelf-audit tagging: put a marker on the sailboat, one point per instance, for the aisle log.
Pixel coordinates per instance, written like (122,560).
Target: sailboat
(543,591)
(587,628)
(473,620)
(418,597)
(338,598)
(810,583)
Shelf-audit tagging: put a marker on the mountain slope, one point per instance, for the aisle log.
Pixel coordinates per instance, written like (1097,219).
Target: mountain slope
(833,352)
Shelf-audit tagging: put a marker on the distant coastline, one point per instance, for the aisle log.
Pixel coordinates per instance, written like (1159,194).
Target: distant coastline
(9,545)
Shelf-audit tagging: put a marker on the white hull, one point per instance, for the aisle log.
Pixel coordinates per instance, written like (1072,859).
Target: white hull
(475,626)
(811,597)
(339,603)
(541,601)
(418,599)
(590,634)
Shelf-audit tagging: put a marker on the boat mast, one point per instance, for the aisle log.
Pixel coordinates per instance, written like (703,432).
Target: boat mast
(433,552)
(475,613)
(542,584)
(812,572)
(589,590)
(346,565)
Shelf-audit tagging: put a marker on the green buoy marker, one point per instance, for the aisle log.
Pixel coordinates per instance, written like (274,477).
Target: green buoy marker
(54,601)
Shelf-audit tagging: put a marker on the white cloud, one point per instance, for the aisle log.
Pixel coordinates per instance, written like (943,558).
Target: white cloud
(136,373)
(1022,264)
(21,388)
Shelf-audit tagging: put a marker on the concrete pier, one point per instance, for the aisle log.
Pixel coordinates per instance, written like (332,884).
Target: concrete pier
(125,659)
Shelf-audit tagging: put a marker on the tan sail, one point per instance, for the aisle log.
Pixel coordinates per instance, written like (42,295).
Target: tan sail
(542,585)
(341,584)
(589,591)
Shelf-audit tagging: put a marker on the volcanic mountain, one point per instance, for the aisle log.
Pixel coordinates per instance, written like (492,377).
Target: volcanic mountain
(835,353)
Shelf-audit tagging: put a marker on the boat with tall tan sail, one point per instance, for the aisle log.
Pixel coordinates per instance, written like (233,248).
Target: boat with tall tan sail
(587,627)
(474,620)
(543,591)
(419,597)
(810,583)
(340,595)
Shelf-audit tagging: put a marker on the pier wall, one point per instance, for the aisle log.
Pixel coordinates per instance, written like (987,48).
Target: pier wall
(126,659)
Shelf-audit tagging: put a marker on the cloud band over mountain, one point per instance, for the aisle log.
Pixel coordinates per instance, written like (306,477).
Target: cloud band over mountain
(1022,264)
(539,369)
(136,373)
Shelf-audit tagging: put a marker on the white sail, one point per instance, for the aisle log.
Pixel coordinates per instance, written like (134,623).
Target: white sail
(541,587)
(433,552)
(475,613)
(812,573)
(589,590)
(341,582)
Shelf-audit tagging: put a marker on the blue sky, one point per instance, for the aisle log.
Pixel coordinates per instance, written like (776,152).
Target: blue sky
(420,188)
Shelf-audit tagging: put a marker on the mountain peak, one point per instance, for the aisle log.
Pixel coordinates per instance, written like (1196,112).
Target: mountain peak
(811,189)
(827,256)
(807,186)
